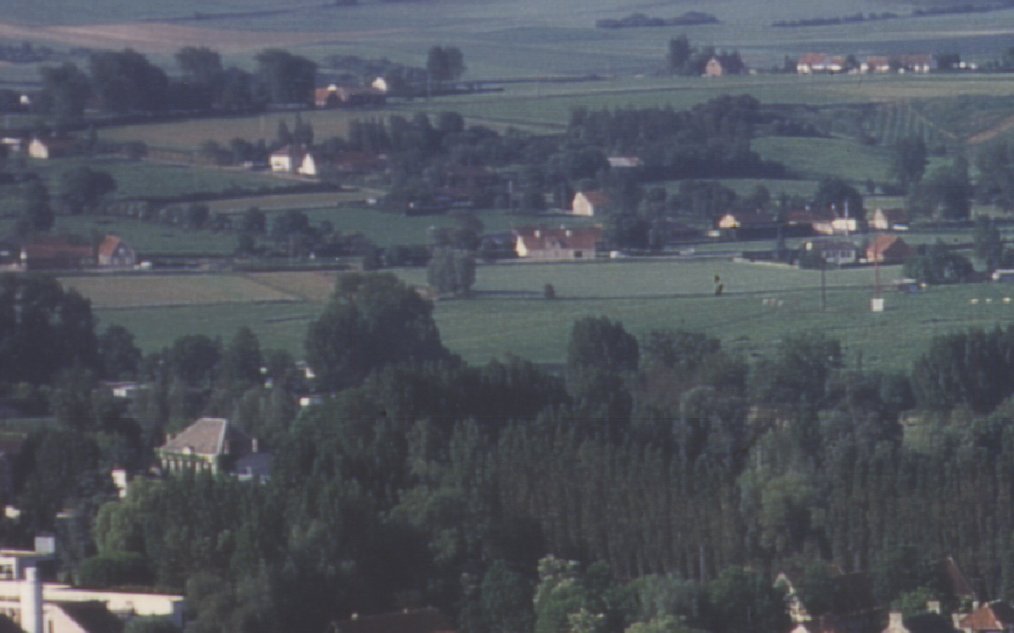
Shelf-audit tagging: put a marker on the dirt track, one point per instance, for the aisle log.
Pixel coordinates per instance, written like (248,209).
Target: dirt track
(160,37)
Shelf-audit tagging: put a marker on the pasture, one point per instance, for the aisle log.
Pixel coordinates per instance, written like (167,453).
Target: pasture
(147,179)
(500,39)
(508,315)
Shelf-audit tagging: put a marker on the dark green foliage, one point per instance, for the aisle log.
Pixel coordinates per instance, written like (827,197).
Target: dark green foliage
(445,63)
(193,358)
(710,140)
(506,600)
(741,600)
(988,243)
(201,83)
(284,77)
(373,320)
(240,365)
(835,193)
(451,272)
(60,469)
(909,161)
(599,343)
(995,182)
(37,214)
(113,570)
(43,329)
(800,372)
(150,625)
(974,369)
(938,264)
(902,570)
(82,189)
(127,82)
(65,92)
(946,193)
(119,358)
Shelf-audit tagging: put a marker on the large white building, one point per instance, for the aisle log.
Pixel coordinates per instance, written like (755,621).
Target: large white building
(45,607)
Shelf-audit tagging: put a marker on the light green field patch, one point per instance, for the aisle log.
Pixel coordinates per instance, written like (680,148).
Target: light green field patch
(149,290)
(188,134)
(816,158)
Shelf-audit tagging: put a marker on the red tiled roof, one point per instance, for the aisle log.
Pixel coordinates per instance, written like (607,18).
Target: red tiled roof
(813,59)
(109,245)
(49,250)
(888,247)
(995,616)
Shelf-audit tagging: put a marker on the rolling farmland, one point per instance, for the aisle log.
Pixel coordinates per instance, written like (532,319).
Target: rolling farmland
(509,316)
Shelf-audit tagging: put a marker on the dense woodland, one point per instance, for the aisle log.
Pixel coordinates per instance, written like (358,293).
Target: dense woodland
(677,477)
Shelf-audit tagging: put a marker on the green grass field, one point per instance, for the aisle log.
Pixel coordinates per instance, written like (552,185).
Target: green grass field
(136,179)
(509,316)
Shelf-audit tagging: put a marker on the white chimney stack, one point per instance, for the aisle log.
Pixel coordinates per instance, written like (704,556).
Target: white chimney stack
(31,601)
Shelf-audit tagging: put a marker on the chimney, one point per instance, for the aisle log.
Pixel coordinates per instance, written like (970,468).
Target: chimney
(45,544)
(31,602)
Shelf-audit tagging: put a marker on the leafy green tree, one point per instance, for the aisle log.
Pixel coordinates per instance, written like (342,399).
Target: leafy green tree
(372,320)
(972,369)
(193,359)
(800,371)
(113,570)
(558,595)
(82,189)
(445,63)
(988,242)
(679,53)
(65,92)
(909,161)
(945,193)
(661,624)
(598,342)
(838,194)
(240,366)
(253,221)
(150,625)
(126,81)
(741,600)
(506,600)
(43,329)
(284,77)
(199,64)
(938,264)
(451,271)
(65,471)
(37,214)
(119,356)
